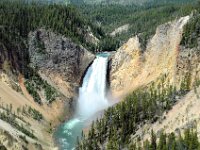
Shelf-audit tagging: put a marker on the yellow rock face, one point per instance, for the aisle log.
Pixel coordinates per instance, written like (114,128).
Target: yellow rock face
(132,67)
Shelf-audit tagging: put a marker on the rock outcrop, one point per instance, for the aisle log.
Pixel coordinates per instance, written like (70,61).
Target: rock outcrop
(58,58)
(133,67)
(58,61)
(125,65)
(120,30)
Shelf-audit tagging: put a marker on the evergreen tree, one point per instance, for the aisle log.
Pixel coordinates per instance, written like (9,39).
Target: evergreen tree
(171,142)
(153,145)
(162,142)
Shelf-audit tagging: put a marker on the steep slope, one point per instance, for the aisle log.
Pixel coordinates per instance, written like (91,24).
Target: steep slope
(42,62)
(159,89)
(37,86)
(184,115)
(159,58)
(141,20)
(40,92)
(59,59)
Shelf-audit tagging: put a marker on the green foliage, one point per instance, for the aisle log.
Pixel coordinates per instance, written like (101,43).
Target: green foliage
(141,106)
(35,114)
(192,32)
(186,83)
(108,44)
(33,92)
(196,85)
(11,119)
(50,92)
(189,141)
(129,2)
(2,147)
(153,144)
(35,83)
(13,45)
(22,17)
(143,20)
(162,144)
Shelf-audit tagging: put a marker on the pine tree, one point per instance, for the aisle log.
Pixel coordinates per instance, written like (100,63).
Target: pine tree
(162,142)
(112,145)
(153,145)
(146,145)
(171,142)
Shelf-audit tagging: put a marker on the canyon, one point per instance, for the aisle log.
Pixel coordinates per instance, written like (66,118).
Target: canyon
(72,77)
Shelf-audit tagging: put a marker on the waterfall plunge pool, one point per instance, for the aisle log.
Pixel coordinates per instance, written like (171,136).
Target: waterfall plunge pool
(92,99)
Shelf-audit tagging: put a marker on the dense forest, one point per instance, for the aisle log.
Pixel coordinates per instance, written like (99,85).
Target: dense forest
(22,17)
(127,2)
(192,32)
(143,20)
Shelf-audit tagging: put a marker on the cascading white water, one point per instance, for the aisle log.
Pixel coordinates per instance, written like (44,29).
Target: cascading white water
(92,98)
(92,94)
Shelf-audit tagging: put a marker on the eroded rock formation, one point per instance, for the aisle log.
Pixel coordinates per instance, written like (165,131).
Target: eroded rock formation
(133,67)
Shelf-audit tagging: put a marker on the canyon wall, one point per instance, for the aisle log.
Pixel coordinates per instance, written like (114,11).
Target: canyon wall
(133,67)
(60,63)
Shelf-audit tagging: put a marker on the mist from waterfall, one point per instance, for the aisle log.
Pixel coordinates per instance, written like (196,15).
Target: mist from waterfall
(92,99)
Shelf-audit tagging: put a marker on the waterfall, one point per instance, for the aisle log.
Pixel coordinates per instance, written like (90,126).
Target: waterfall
(92,99)
(92,93)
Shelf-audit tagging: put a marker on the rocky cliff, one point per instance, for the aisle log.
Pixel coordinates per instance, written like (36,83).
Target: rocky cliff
(49,66)
(133,67)
(58,58)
